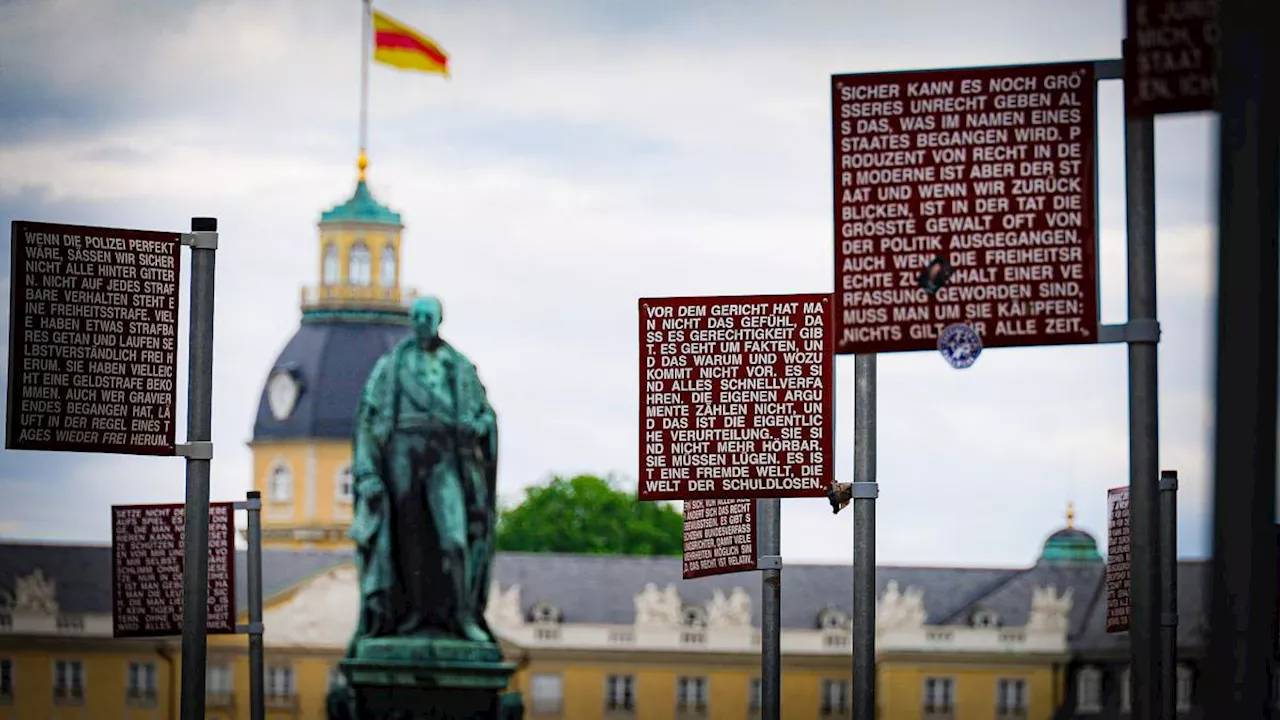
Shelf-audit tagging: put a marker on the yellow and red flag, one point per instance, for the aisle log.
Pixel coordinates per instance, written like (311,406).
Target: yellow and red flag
(399,45)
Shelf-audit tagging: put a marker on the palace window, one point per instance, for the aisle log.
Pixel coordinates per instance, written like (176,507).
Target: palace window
(1011,697)
(753,695)
(548,689)
(387,266)
(68,680)
(1089,690)
(1126,690)
(939,696)
(358,264)
(835,697)
(280,683)
(6,679)
(217,684)
(620,694)
(280,483)
(332,265)
(343,489)
(142,681)
(691,694)
(1186,688)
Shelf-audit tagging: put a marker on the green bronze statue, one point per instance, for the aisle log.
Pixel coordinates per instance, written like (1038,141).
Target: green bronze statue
(425,470)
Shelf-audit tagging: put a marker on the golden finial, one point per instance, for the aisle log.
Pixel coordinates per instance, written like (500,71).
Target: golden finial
(362,163)
(1071,515)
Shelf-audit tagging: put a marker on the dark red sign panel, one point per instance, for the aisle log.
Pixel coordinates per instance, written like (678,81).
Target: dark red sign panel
(1118,602)
(719,537)
(146,545)
(1169,57)
(988,172)
(735,397)
(93,339)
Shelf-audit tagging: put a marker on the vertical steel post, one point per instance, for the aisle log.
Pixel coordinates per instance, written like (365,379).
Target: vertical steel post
(253,573)
(1169,593)
(865,491)
(1243,579)
(195,549)
(1144,425)
(770,553)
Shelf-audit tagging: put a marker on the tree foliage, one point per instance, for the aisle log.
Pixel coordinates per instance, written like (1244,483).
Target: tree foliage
(588,515)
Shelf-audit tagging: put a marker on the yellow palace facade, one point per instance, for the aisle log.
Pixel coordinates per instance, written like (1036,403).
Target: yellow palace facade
(595,637)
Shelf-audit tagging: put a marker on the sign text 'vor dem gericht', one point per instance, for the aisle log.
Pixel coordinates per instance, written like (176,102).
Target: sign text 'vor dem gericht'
(989,169)
(147,568)
(93,339)
(735,397)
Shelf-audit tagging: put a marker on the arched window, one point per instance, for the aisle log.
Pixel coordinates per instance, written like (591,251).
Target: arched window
(332,267)
(1089,690)
(280,483)
(358,264)
(387,268)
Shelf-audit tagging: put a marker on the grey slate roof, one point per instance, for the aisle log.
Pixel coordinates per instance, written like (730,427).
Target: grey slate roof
(600,589)
(82,573)
(332,360)
(1193,614)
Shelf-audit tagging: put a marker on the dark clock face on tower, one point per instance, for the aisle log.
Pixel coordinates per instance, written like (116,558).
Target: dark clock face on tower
(282,393)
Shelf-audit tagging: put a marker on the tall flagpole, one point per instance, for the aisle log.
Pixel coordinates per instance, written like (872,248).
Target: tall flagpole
(366,33)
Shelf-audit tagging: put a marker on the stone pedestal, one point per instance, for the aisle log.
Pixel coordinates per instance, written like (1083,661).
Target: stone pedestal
(425,679)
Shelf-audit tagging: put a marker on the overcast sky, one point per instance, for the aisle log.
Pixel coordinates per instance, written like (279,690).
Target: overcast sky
(586,153)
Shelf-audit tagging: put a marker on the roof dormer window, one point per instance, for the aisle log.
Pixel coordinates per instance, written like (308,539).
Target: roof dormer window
(693,616)
(830,618)
(545,612)
(985,619)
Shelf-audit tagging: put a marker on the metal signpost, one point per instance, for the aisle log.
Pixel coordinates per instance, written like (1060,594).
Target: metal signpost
(735,410)
(1169,593)
(965,217)
(148,545)
(93,368)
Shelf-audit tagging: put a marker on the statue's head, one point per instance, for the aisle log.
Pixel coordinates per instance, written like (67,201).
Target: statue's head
(426,313)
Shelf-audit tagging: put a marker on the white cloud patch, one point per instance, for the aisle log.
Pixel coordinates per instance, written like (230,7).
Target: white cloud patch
(578,160)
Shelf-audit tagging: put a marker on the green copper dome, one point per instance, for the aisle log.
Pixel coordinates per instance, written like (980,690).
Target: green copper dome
(361,208)
(1070,545)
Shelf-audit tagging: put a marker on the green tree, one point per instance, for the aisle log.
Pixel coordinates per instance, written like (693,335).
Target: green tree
(588,515)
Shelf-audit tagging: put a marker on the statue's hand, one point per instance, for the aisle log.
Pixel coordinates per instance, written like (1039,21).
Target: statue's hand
(371,490)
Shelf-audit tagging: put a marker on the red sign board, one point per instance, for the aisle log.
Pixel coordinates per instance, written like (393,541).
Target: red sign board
(735,397)
(985,173)
(93,339)
(1118,598)
(719,537)
(1169,57)
(147,566)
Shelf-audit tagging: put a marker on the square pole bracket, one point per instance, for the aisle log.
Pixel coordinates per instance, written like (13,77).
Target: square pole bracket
(201,450)
(769,562)
(254,504)
(1134,331)
(201,240)
(253,628)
